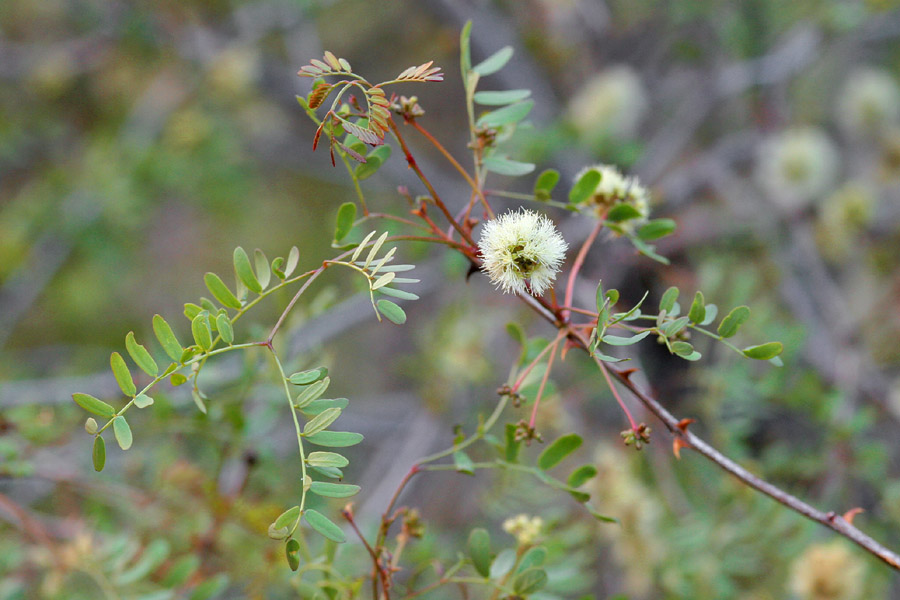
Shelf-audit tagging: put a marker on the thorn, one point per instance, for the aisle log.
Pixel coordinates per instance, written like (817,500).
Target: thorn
(626,373)
(683,424)
(677,444)
(848,516)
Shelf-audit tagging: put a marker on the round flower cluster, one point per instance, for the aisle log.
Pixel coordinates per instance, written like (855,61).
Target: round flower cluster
(524,528)
(614,188)
(521,245)
(843,215)
(868,102)
(797,166)
(829,571)
(612,103)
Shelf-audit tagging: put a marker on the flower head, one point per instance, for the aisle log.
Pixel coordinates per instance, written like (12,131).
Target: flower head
(611,104)
(868,102)
(797,166)
(828,572)
(615,188)
(524,528)
(521,245)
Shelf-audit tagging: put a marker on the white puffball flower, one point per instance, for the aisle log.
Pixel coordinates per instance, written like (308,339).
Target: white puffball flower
(797,166)
(520,245)
(614,188)
(868,102)
(612,103)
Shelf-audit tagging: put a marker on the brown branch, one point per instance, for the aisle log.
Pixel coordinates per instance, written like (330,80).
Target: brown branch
(679,429)
(831,520)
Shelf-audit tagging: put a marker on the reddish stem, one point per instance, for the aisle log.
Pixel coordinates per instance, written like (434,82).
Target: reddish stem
(576,266)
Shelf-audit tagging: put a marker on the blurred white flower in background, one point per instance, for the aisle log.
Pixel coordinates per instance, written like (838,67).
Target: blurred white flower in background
(797,166)
(521,245)
(868,102)
(610,104)
(827,572)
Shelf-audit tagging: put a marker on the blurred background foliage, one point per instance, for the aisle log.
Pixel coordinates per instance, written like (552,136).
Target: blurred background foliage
(141,141)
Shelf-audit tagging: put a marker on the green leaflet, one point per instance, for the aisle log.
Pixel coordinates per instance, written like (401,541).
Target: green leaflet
(323,525)
(94,405)
(494,62)
(244,271)
(220,291)
(333,490)
(98,455)
(733,321)
(167,338)
(321,421)
(558,450)
(140,356)
(479,547)
(122,374)
(122,432)
(335,439)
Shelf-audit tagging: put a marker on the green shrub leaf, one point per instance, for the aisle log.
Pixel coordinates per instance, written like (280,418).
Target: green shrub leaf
(263,271)
(585,187)
(500,98)
(345,217)
(545,183)
(622,212)
(581,475)
(506,115)
(333,490)
(143,401)
(292,553)
(335,439)
(391,311)
(655,229)
(122,374)
(558,450)
(122,432)
(479,547)
(321,421)
(244,271)
(494,62)
(326,459)
(529,581)
(323,525)
(463,463)
(287,518)
(220,291)
(140,356)
(764,351)
(167,338)
(504,166)
(309,376)
(201,330)
(94,405)
(669,297)
(697,313)
(98,455)
(731,323)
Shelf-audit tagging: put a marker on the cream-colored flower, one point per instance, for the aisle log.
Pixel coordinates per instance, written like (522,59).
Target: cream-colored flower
(524,528)
(828,572)
(612,103)
(521,245)
(797,166)
(614,188)
(868,102)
